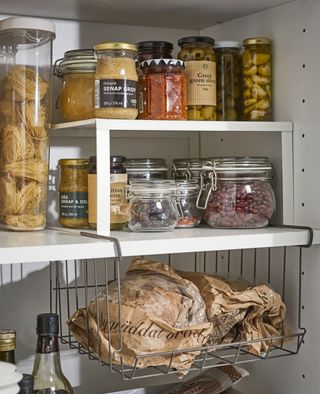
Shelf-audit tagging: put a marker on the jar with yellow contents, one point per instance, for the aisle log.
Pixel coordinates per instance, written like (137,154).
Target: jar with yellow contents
(200,66)
(73,193)
(76,97)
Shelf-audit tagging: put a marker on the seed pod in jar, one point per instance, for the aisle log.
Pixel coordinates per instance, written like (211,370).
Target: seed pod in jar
(263,105)
(265,70)
(256,115)
(248,82)
(250,71)
(247,110)
(258,92)
(247,59)
(258,79)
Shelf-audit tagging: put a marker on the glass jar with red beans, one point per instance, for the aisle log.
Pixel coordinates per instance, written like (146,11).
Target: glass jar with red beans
(236,192)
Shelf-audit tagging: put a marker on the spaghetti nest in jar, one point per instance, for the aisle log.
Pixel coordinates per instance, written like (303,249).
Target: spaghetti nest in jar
(116,81)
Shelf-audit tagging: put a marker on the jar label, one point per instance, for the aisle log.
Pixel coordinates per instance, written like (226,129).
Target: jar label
(201,82)
(115,93)
(118,201)
(73,205)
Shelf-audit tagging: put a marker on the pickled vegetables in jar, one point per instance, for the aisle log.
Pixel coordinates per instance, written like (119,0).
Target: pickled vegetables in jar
(198,54)
(257,79)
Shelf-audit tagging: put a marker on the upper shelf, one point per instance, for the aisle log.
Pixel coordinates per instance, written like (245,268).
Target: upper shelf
(86,128)
(69,245)
(186,14)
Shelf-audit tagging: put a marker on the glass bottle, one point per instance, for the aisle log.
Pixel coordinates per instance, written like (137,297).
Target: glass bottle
(47,373)
(7,346)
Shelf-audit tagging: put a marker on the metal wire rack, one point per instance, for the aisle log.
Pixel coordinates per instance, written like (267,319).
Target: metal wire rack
(75,283)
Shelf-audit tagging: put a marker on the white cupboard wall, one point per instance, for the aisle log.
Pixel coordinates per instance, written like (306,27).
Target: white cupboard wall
(295,31)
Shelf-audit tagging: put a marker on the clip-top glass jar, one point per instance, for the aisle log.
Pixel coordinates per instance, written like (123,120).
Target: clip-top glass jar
(257,78)
(146,169)
(198,54)
(190,215)
(152,206)
(187,169)
(229,80)
(236,192)
(77,69)
(116,81)
(73,193)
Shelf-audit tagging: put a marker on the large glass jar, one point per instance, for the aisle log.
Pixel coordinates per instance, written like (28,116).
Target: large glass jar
(25,88)
(257,79)
(77,70)
(236,192)
(146,169)
(190,215)
(164,90)
(116,81)
(73,193)
(152,206)
(229,80)
(198,54)
(187,169)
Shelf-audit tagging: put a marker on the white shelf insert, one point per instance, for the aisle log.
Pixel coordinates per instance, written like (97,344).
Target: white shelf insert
(69,245)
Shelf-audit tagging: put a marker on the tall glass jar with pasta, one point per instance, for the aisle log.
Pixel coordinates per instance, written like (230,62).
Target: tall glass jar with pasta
(200,61)
(25,70)
(257,79)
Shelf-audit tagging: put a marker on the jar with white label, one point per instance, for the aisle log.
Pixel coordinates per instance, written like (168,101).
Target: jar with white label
(116,81)
(200,66)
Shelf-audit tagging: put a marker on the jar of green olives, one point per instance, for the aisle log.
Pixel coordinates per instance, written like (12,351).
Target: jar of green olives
(200,65)
(229,80)
(257,79)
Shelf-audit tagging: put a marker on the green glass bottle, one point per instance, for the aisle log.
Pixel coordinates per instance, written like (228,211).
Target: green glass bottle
(7,346)
(47,372)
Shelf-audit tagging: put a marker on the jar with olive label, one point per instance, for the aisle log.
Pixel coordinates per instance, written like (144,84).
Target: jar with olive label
(73,193)
(257,79)
(200,62)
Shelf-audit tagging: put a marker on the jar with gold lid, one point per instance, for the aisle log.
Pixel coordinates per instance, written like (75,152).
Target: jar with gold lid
(76,69)
(7,345)
(116,81)
(257,78)
(73,193)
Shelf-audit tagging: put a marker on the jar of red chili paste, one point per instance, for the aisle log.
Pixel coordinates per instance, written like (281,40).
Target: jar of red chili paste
(164,90)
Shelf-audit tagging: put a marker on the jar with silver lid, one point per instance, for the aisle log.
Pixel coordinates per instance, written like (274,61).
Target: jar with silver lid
(152,206)
(76,98)
(146,169)
(236,192)
(190,215)
(187,169)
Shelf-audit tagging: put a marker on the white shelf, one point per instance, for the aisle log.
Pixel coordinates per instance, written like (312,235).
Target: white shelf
(68,244)
(87,128)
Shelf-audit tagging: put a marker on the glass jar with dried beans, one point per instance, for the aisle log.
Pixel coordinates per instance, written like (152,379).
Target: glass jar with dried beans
(190,215)
(257,79)
(73,193)
(116,81)
(198,54)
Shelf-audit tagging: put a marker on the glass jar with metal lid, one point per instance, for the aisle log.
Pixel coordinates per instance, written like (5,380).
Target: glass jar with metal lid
(236,192)
(73,193)
(152,205)
(116,81)
(146,169)
(187,169)
(229,80)
(77,69)
(257,78)
(7,345)
(187,194)
(200,61)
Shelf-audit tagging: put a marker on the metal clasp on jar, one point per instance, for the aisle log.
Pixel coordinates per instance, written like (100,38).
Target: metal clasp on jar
(185,171)
(208,183)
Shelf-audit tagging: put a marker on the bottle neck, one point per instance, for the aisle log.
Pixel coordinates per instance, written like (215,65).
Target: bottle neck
(8,356)
(47,355)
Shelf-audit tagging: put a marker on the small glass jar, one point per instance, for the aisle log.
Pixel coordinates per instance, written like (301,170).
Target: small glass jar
(163,90)
(236,192)
(200,61)
(77,70)
(257,79)
(146,169)
(116,81)
(190,215)
(73,193)
(152,206)
(154,50)
(187,169)
(229,80)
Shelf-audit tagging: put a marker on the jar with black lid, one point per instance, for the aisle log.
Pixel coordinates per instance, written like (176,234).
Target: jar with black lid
(154,50)
(146,169)
(118,186)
